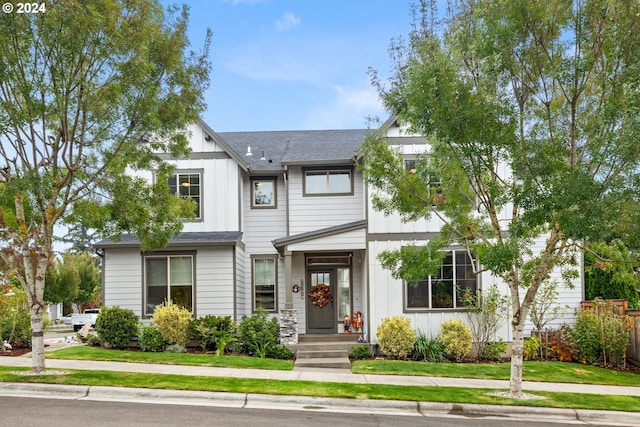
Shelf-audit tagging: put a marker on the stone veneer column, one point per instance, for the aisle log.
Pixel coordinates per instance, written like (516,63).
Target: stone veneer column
(289,326)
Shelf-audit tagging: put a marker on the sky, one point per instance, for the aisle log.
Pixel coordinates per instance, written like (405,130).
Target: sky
(295,64)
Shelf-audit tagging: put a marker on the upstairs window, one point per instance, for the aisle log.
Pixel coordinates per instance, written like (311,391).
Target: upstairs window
(328,182)
(263,193)
(442,290)
(187,186)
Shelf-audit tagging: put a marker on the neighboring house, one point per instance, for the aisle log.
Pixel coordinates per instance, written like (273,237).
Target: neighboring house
(277,214)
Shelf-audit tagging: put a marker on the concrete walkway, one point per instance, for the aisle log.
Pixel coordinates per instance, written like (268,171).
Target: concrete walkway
(325,375)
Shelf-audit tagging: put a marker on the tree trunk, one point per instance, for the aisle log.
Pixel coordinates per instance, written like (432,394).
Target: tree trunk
(517,356)
(37,337)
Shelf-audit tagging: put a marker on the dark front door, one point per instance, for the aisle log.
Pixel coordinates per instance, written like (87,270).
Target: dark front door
(321,309)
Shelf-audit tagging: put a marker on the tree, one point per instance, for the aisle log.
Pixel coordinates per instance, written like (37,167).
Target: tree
(531,112)
(90,89)
(75,279)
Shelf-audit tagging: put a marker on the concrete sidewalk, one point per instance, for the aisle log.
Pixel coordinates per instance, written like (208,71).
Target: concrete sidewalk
(321,375)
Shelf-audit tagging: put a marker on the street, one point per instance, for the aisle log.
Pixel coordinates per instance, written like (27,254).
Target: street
(31,412)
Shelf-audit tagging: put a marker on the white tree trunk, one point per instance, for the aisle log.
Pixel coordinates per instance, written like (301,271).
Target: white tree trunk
(517,353)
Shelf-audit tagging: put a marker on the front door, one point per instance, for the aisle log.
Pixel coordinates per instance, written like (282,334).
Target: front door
(321,309)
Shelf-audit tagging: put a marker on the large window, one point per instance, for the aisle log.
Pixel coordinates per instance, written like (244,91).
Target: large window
(168,277)
(434,184)
(440,291)
(263,193)
(319,182)
(264,283)
(187,186)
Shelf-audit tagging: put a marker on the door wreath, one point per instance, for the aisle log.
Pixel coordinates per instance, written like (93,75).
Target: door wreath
(320,294)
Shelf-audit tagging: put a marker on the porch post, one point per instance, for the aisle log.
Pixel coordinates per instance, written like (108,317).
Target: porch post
(288,304)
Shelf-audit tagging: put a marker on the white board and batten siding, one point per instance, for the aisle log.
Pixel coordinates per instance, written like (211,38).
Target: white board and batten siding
(309,213)
(387,297)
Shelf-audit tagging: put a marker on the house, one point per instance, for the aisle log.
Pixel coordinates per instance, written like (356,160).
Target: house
(284,222)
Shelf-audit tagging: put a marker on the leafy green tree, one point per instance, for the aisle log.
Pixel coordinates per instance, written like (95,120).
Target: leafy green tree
(610,273)
(531,112)
(75,279)
(89,89)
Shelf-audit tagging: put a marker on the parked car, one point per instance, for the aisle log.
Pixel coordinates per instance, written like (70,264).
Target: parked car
(89,316)
(67,319)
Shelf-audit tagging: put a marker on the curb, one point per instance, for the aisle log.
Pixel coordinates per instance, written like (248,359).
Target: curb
(317,404)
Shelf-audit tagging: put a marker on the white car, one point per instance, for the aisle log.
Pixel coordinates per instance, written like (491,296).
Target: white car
(67,319)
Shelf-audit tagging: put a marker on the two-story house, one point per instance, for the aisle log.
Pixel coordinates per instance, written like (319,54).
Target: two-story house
(284,221)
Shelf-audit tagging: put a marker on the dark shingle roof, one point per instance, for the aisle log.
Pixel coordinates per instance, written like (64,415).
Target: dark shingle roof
(185,239)
(295,147)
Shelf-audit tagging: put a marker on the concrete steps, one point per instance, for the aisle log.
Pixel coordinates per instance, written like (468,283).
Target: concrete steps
(324,351)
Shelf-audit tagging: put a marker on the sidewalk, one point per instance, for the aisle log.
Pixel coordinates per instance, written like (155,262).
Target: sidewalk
(322,375)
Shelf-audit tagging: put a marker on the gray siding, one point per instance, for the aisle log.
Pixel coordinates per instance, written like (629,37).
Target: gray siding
(123,279)
(214,281)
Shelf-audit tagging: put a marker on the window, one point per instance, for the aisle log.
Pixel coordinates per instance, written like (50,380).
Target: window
(187,186)
(264,283)
(439,291)
(433,182)
(319,182)
(263,193)
(168,277)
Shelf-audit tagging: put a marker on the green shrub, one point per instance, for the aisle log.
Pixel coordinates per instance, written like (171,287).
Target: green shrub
(150,339)
(176,348)
(214,332)
(494,351)
(531,348)
(116,326)
(279,352)
(429,349)
(15,323)
(173,322)
(360,352)
(586,333)
(258,333)
(94,341)
(395,336)
(456,339)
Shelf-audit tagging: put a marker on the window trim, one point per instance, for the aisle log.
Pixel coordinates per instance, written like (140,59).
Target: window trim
(328,171)
(274,181)
(273,257)
(428,308)
(199,172)
(167,255)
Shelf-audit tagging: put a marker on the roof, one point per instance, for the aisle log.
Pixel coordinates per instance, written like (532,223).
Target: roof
(216,238)
(304,147)
(323,232)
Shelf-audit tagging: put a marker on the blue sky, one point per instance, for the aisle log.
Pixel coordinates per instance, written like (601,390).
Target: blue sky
(295,64)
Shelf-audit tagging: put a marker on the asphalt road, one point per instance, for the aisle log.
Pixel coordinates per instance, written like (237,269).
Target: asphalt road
(52,412)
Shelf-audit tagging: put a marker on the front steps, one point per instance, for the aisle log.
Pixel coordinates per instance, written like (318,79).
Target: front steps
(324,351)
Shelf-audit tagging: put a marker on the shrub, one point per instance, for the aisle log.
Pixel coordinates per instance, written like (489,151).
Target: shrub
(531,348)
(94,341)
(395,336)
(213,332)
(494,351)
(116,326)
(279,352)
(150,339)
(173,322)
(486,312)
(360,352)
(15,323)
(258,332)
(586,333)
(176,348)
(456,339)
(559,345)
(429,349)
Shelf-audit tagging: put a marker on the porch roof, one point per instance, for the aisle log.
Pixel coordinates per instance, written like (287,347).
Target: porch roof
(218,238)
(282,242)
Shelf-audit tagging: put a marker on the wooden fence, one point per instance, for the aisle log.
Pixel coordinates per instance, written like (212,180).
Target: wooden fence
(621,307)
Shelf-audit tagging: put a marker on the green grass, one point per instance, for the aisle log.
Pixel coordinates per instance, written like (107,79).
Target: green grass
(560,372)
(329,389)
(101,354)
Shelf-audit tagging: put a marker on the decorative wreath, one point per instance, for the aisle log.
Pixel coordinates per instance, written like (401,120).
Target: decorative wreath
(320,294)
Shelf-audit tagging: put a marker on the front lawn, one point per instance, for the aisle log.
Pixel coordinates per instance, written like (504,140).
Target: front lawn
(107,355)
(560,372)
